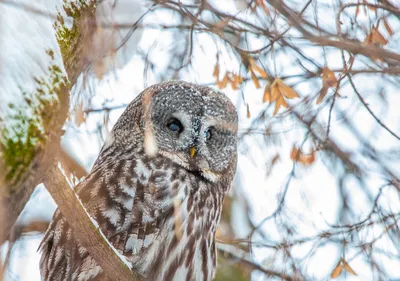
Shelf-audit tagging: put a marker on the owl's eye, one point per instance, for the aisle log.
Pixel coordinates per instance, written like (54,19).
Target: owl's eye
(208,134)
(175,125)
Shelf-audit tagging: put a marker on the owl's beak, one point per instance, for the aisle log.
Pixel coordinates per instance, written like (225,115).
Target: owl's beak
(192,152)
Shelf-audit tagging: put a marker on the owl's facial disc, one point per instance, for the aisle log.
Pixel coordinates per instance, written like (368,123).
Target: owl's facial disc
(184,131)
(193,140)
(195,127)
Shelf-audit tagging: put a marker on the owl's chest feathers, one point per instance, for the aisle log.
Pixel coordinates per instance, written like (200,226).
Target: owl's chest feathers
(184,249)
(160,216)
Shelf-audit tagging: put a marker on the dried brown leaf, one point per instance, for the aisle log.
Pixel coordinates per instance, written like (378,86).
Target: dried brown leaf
(375,37)
(222,84)
(328,80)
(275,159)
(255,79)
(298,156)
(258,69)
(278,92)
(285,90)
(248,111)
(260,3)
(387,26)
(238,78)
(322,94)
(232,81)
(347,267)
(295,153)
(280,101)
(251,66)
(337,271)
(216,71)
(328,77)
(234,85)
(267,94)
(368,39)
(265,8)
(229,77)
(275,94)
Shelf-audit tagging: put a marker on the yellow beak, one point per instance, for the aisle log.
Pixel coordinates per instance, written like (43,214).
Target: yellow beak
(192,152)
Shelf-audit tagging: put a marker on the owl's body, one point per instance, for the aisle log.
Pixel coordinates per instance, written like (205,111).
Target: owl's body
(155,191)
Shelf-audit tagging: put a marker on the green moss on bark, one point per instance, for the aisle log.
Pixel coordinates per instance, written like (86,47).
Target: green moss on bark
(69,37)
(26,128)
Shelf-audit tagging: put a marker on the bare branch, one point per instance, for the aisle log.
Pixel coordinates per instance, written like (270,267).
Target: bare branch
(242,257)
(353,46)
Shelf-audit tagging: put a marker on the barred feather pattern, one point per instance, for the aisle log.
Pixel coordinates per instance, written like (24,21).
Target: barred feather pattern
(161,210)
(132,200)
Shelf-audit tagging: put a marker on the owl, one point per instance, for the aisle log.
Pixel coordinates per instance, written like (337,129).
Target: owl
(156,189)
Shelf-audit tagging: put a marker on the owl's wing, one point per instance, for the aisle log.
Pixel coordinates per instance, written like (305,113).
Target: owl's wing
(129,203)
(63,258)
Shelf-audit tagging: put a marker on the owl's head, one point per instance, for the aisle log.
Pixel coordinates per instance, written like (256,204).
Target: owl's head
(193,126)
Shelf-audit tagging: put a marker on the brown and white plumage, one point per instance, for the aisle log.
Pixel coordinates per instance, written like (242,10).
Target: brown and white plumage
(136,197)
